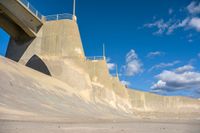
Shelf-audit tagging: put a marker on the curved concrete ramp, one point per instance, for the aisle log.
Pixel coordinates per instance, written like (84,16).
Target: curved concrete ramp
(29,95)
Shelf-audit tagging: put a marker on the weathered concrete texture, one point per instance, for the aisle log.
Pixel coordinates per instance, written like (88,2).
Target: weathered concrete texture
(58,48)
(153,104)
(107,89)
(58,45)
(29,95)
(99,73)
(45,98)
(56,38)
(61,38)
(70,72)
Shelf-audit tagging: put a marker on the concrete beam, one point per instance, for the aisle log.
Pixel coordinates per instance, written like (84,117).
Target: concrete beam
(11,28)
(20,15)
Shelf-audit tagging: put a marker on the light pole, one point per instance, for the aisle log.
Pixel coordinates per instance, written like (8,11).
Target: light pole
(74,10)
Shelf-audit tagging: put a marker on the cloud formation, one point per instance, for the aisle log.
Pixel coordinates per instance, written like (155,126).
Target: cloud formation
(133,64)
(164,65)
(111,66)
(184,69)
(127,83)
(191,21)
(195,23)
(155,54)
(194,8)
(182,78)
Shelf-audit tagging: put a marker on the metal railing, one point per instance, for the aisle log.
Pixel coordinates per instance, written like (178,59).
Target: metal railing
(31,8)
(95,58)
(59,17)
(26,4)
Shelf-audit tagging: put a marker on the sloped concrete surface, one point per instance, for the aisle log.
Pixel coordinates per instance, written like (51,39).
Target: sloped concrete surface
(29,95)
(33,102)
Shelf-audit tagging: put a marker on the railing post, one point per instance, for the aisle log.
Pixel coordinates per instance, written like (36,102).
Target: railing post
(28,5)
(36,13)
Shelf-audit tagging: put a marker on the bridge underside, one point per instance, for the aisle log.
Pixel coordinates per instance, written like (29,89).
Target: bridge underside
(17,22)
(12,28)
(21,24)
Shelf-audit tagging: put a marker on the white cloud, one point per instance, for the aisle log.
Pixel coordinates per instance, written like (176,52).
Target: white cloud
(184,69)
(154,54)
(164,65)
(111,66)
(133,65)
(177,24)
(161,26)
(160,84)
(127,83)
(194,8)
(195,23)
(168,27)
(191,21)
(176,80)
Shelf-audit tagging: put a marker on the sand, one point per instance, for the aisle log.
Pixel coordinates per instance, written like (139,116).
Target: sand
(106,127)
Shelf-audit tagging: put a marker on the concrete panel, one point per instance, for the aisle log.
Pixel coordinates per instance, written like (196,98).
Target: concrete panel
(147,102)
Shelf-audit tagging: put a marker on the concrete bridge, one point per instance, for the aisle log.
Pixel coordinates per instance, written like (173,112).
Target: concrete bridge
(24,24)
(20,19)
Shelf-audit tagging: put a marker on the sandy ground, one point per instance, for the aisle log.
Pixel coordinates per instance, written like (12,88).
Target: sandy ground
(126,127)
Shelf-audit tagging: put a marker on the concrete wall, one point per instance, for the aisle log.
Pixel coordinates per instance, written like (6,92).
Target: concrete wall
(148,102)
(56,38)
(99,73)
(58,45)
(61,38)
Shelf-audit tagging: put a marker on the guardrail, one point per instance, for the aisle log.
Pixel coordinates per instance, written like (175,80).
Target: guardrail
(31,8)
(59,17)
(26,4)
(95,58)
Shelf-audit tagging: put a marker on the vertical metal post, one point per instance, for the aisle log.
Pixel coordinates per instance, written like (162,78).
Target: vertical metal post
(28,5)
(74,11)
(37,13)
(74,8)
(104,52)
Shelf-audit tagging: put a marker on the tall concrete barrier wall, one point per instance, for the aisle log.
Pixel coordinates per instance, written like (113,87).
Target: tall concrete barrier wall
(58,45)
(59,49)
(152,103)
(99,73)
(107,89)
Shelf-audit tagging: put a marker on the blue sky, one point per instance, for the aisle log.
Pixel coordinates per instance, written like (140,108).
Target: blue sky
(155,47)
